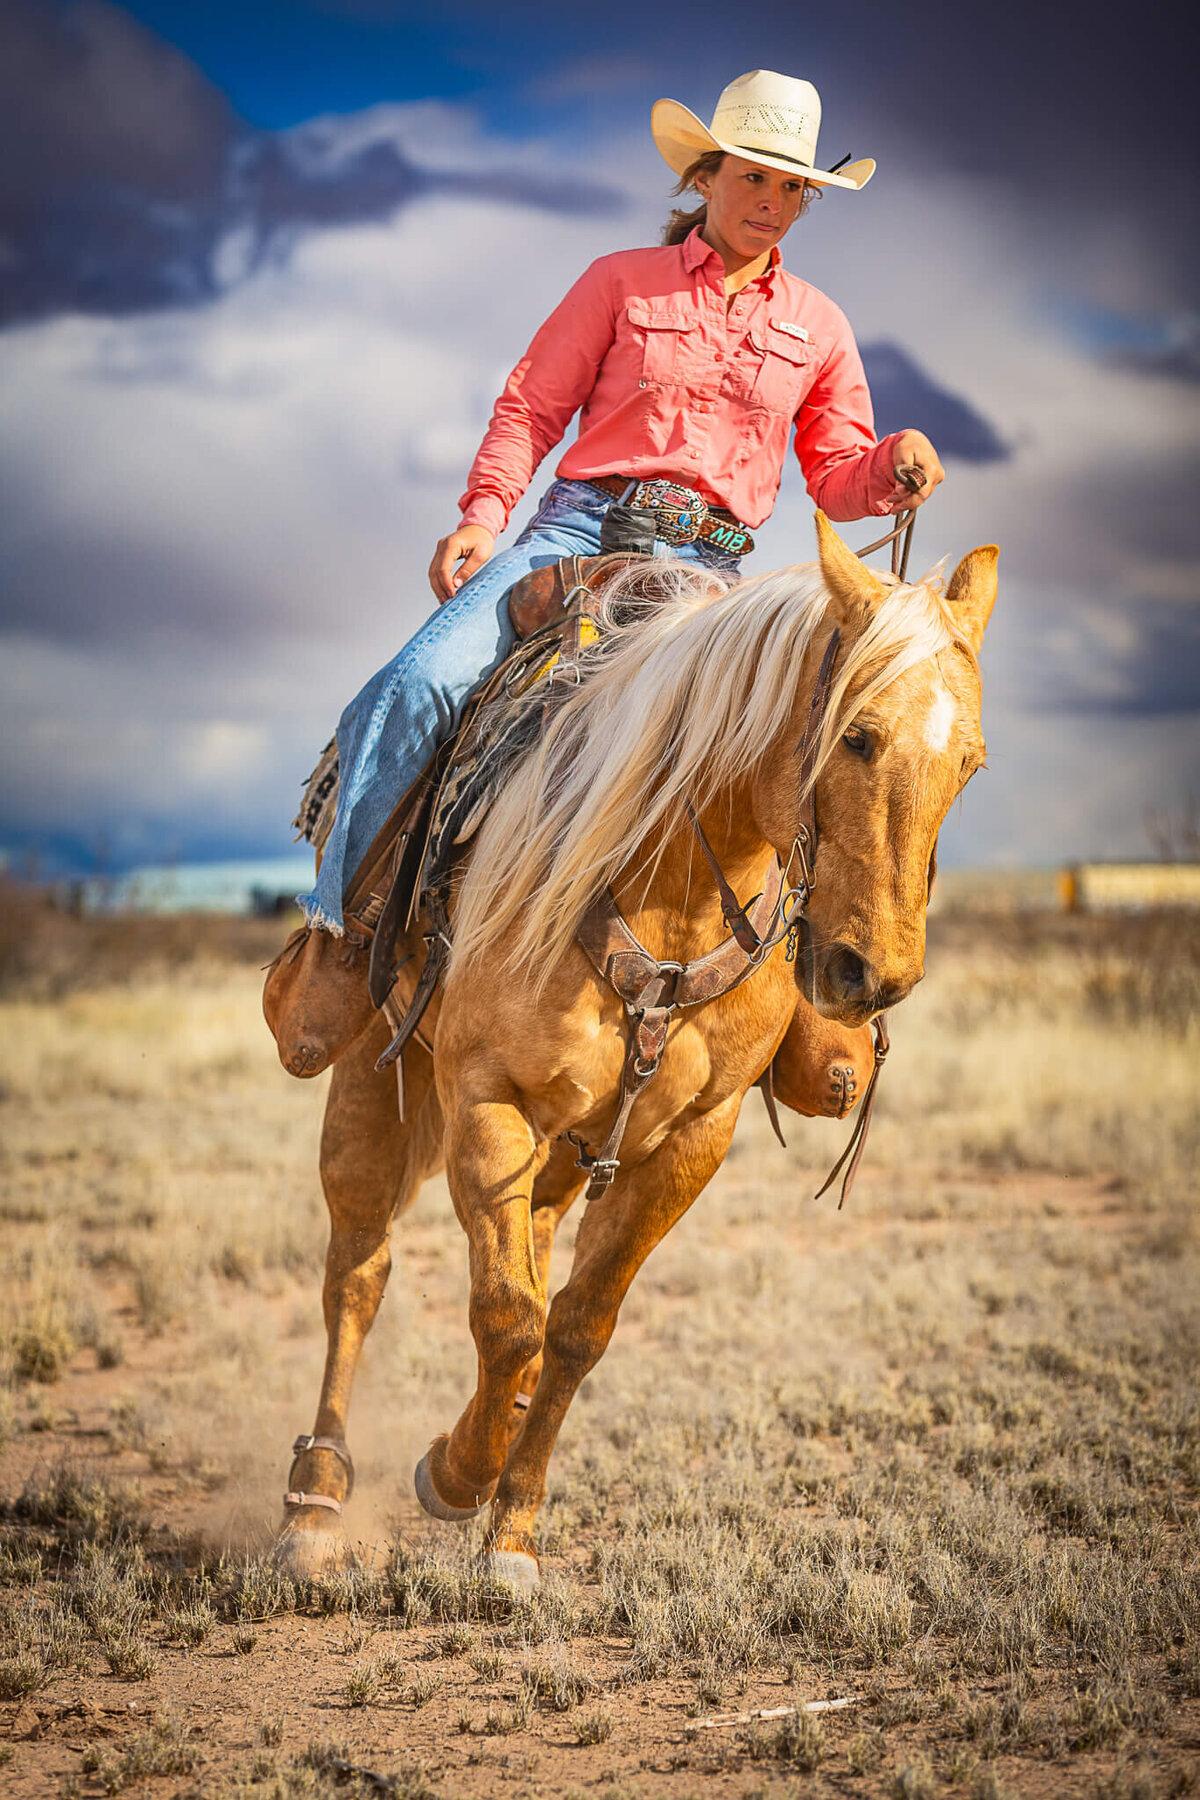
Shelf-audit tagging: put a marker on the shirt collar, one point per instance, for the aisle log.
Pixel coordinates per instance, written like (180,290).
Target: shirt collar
(696,251)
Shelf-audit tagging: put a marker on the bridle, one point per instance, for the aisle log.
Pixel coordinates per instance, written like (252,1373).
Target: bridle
(901,541)
(653,991)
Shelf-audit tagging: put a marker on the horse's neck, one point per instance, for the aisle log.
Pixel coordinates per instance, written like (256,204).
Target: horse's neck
(668,895)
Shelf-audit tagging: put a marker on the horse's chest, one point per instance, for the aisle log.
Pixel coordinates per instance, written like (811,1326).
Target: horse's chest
(712,1052)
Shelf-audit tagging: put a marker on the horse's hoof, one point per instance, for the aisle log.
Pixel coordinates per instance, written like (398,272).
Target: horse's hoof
(432,1501)
(306,1553)
(518,1569)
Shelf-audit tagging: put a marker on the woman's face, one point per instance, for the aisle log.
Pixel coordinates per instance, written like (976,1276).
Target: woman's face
(750,206)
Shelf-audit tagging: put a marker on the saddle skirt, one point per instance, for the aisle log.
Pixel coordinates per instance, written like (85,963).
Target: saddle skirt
(556,612)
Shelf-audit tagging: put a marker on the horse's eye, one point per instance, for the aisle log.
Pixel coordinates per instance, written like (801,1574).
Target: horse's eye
(858,741)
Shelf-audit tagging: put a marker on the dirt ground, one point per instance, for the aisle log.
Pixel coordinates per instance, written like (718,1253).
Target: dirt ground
(937,1454)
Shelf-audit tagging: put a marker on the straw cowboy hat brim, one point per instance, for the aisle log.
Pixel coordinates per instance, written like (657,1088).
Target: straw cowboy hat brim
(761,117)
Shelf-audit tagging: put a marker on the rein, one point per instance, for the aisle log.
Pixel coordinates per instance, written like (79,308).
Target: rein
(901,538)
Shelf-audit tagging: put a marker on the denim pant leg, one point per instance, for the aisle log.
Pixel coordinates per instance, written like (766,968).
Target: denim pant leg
(390,730)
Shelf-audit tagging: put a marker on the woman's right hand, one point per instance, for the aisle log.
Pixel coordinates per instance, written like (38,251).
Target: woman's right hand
(470,546)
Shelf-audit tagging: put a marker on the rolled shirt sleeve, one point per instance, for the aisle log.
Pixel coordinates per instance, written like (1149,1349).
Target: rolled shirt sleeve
(540,397)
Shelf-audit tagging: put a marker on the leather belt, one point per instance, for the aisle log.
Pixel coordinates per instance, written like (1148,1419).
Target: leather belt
(683,515)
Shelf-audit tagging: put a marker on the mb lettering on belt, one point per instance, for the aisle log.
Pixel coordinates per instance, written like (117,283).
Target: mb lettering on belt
(681,515)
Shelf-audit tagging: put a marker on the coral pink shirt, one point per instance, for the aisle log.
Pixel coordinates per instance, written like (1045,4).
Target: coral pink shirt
(671,383)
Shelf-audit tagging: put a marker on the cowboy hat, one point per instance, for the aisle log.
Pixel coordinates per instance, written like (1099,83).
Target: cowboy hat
(766,118)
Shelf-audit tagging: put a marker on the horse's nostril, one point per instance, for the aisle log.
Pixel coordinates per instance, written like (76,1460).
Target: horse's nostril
(846,972)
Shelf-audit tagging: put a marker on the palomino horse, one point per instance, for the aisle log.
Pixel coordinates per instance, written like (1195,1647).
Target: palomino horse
(701,704)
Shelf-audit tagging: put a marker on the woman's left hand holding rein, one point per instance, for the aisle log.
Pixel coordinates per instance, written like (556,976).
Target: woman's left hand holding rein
(914,448)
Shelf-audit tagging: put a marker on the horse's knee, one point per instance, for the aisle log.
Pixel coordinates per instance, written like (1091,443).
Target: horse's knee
(577,1335)
(357,1265)
(360,1190)
(508,1324)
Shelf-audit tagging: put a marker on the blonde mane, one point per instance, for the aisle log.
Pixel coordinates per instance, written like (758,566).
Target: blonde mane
(682,698)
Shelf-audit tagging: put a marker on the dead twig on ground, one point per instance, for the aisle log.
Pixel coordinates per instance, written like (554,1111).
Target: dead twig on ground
(771,1712)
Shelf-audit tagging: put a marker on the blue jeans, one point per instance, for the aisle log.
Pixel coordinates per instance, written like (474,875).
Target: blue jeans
(390,730)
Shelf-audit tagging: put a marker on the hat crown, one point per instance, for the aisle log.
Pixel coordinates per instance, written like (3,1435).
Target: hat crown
(778,114)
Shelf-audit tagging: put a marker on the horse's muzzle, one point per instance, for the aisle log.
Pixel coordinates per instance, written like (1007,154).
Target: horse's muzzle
(849,986)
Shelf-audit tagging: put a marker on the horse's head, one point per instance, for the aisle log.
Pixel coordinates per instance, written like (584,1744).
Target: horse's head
(902,738)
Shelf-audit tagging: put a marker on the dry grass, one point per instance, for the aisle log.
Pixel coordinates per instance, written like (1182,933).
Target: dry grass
(940,1450)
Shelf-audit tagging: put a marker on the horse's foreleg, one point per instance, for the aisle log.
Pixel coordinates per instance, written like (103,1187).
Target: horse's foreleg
(616,1235)
(554,1192)
(493,1160)
(372,1166)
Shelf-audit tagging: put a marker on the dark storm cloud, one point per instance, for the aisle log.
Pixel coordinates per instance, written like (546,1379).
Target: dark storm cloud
(1139,659)
(905,395)
(87,585)
(88,95)
(112,151)
(1178,359)
(123,170)
(1155,344)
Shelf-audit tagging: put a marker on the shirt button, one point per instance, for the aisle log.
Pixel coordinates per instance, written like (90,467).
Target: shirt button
(641,384)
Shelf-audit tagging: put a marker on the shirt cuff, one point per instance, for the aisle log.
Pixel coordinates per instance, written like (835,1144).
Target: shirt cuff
(881,476)
(487,510)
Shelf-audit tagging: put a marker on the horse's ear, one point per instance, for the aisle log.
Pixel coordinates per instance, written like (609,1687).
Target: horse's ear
(971,593)
(848,580)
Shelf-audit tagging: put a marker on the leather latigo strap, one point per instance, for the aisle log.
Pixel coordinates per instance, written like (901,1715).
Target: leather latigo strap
(392,919)
(720,527)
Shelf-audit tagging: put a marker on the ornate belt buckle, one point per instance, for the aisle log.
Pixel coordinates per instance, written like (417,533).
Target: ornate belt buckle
(679,511)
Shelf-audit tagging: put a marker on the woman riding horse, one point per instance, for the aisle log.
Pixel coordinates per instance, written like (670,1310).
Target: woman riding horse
(690,365)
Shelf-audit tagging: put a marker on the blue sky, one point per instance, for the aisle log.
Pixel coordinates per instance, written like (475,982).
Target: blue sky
(280,64)
(263,268)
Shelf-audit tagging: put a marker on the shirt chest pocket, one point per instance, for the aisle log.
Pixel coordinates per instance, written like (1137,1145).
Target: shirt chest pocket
(785,366)
(664,339)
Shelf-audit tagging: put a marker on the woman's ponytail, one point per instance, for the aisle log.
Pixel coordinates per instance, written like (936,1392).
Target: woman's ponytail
(681,223)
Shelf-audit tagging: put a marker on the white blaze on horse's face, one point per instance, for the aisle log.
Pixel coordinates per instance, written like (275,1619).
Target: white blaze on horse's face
(904,756)
(940,720)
